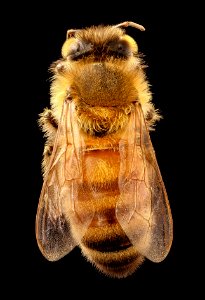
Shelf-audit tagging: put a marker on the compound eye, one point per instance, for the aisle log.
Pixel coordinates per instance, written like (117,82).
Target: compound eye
(75,48)
(71,47)
(122,47)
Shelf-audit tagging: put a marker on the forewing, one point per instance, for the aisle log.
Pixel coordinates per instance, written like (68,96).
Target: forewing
(59,208)
(143,209)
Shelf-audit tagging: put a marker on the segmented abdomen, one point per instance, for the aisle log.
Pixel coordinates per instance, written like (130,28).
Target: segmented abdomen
(104,243)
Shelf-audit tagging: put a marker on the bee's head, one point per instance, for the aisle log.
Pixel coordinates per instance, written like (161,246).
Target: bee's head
(99,43)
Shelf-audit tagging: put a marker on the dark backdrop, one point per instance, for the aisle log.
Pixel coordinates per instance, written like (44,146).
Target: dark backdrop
(164,44)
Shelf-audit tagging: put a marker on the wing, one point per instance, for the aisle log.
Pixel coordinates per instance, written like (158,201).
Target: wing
(143,209)
(59,208)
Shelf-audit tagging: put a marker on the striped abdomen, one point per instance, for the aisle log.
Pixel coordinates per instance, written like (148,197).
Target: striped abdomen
(105,244)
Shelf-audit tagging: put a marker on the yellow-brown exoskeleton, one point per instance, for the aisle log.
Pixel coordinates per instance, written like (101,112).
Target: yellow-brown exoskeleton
(102,188)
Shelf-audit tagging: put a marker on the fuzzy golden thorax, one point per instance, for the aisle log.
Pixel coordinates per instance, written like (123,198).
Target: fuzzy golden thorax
(103,73)
(102,91)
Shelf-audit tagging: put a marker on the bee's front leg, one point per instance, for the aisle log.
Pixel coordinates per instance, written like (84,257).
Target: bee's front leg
(49,126)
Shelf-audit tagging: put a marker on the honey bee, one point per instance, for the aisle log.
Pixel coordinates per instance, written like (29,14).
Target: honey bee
(102,190)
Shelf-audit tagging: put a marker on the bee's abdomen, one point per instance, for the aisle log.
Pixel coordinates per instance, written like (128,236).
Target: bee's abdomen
(109,249)
(105,243)
(110,245)
(101,169)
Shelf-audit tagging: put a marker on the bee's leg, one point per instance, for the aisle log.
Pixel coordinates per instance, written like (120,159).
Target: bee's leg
(48,125)
(151,117)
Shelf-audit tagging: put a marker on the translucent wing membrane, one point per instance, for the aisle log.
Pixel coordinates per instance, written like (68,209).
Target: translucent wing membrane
(143,209)
(59,203)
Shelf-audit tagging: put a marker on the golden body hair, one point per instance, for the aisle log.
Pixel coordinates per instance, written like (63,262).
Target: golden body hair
(103,77)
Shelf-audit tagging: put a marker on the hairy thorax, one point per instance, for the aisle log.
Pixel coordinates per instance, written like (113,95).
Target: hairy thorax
(104,92)
(96,120)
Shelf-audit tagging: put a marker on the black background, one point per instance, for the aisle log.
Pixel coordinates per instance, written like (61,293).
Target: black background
(38,40)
